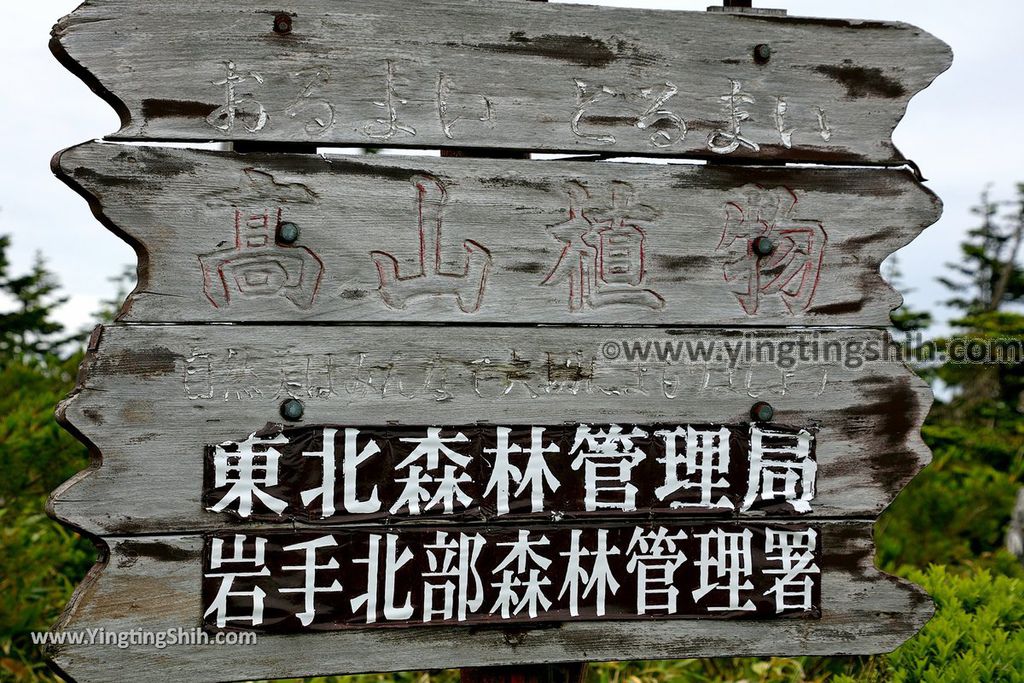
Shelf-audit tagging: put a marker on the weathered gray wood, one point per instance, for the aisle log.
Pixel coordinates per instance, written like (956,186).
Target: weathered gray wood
(503,74)
(151,399)
(634,245)
(153,584)
(522,242)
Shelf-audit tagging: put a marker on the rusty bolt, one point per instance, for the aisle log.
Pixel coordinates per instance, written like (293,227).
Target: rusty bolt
(282,24)
(764,246)
(762,53)
(762,412)
(287,233)
(292,410)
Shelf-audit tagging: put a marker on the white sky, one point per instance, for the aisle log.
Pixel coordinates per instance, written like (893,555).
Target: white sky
(964,132)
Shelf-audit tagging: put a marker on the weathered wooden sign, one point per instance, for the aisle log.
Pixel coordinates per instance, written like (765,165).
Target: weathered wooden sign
(318,474)
(505,74)
(155,401)
(509,575)
(155,583)
(275,238)
(393,413)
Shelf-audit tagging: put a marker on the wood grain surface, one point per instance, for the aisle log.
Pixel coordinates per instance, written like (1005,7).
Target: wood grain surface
(503,74)
(152,398)
(152,583)
(391,292)
(387,239)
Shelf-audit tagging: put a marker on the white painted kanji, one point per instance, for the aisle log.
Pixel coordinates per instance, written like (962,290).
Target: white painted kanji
(725,567)
(309,569)
(781,468)
(703,465)
(351,460)
(256,565)
(453,559)
(393,562)
(608,459)
(598,579)
(248,466)
(595,468)
(793,551)
(654,557)
(534,476)
(522,581)
(448,477)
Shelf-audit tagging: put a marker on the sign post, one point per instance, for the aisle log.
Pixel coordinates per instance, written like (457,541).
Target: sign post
(485,411)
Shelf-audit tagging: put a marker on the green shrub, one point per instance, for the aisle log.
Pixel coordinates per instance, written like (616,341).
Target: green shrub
(41,561)
(955,512)
(36,454)
(997,442)
(40,566)
(976,636)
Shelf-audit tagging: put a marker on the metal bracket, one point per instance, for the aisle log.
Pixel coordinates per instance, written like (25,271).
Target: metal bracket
(736,8)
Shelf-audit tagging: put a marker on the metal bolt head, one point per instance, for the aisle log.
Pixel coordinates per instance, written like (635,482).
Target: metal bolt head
(282,24)
(762,53)
(287,233)
(764,246)
(762,412)
(292,410)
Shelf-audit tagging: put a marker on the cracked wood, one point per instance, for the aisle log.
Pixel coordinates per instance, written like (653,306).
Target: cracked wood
(152,583)
(504,74)
(151,400)
(224,237)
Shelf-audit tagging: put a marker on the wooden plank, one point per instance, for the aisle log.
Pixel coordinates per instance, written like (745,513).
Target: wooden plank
(152,398)
(504,74)
(475,240)
(524,575)
(152,583)
(510,473)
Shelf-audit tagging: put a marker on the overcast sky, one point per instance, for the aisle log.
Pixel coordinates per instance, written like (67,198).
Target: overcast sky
(964,132)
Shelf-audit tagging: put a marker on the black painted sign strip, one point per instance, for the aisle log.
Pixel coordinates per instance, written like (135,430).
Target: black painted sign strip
(331,474)
(333,580)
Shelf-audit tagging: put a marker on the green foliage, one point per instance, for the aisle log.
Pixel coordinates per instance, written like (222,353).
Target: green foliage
(39,567)
(953,515)
(957,509)
(447,676)
(977,635)
(990,278)
(736,670)
(41,561)
(999,446)
(993,391)
(726,670)
(988,275)
(29,332)
(37,454)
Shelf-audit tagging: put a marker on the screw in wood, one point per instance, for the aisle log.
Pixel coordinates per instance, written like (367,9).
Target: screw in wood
(287,233)
(282,24)
(762,412)
(764,246)
(292,410)
(762,53)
